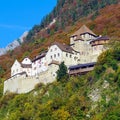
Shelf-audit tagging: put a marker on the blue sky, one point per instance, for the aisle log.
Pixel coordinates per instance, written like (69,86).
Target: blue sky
(18,16)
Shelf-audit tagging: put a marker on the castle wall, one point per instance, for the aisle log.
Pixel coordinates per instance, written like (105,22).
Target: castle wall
(23,84)
(70,59)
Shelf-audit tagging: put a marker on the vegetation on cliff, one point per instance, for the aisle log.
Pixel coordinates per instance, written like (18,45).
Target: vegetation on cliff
(88,97)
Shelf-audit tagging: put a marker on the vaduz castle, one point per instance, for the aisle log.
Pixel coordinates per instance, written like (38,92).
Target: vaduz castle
(79,57)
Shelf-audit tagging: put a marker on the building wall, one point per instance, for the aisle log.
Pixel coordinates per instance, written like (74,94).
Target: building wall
(54,53)
(70,59)
(39,66)
(23,84)
(16,68)
(28,71)
(26,61)
(87,36)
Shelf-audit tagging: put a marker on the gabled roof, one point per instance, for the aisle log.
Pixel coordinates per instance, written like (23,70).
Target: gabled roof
(64,47)
(82,65)
(100,38)
(82,30)
(43,54)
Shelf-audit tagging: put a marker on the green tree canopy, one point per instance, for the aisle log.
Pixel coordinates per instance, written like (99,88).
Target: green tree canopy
(62,72)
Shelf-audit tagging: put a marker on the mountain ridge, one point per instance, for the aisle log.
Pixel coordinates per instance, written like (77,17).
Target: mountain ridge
(14,44)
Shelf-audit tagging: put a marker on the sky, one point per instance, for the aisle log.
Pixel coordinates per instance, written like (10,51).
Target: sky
(18,16)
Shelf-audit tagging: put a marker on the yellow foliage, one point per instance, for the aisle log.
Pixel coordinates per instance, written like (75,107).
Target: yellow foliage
(61,114)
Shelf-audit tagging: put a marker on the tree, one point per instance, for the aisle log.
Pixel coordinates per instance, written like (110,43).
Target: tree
(62,72)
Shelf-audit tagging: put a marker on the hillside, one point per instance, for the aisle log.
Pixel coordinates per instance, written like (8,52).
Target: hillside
(66,13)
(94,96)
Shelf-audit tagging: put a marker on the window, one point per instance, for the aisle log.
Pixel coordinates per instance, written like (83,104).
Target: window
(53,75)
(55,48)
(75,58)
(51,56)
(51,50)
(54,55)
(58,54)
(70,55)
(66,55)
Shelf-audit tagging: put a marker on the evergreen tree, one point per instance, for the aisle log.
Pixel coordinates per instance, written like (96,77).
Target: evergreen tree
(62,72)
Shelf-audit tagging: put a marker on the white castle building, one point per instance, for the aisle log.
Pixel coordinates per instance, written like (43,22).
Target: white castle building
(85,46)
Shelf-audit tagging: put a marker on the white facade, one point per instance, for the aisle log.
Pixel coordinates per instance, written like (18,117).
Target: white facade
(26,61)
(39,65)
(16,68)
(57,54)
(54,53)
(27,66)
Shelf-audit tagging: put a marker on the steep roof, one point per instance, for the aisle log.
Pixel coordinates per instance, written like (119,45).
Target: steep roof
(100,38)
(82,65)
(82,30)
(64,47)
(39,56)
